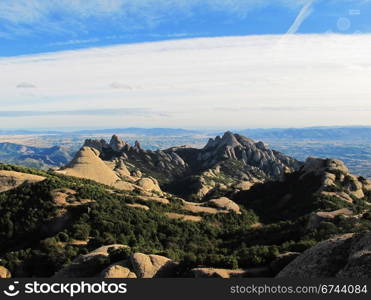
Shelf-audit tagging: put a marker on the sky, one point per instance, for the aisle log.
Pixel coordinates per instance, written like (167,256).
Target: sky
(184,63)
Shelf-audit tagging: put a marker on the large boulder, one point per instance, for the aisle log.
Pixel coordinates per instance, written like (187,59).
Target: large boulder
(5,273)
(149,184)
(225,204)
(88,265)
(118,270)
(346,256)
(149,266)
(282,260)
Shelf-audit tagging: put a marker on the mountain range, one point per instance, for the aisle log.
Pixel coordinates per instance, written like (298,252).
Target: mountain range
(35,157)
(333,132)
(228,160)
(234,208)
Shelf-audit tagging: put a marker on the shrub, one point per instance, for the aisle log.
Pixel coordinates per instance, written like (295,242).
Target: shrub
(63,237)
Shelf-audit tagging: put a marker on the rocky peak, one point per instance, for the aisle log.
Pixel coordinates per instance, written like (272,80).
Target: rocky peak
(137,146)
(249,152)
(99,145)
(116,143)
(240,158)
(229,139)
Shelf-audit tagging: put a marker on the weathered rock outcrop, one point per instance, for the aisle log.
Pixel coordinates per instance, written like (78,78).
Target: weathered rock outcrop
(5,273)
(88,164)
(88,265)
(282,260)
(149,266)
(223,162)
(10,179)
(346,256)
(149,184)
(118,270)
(266,163)
(116,143)
(225,204)
(335,175)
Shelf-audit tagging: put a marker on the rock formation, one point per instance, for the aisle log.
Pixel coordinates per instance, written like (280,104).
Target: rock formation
(11,179)
(346,256)
(225,161)
(225,204)
(87,265)
(88,164)
(282,260)
(118,270)
(149,266)
(335,174)
(4,273)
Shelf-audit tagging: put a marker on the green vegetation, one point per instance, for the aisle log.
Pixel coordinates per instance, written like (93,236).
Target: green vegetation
(31,244)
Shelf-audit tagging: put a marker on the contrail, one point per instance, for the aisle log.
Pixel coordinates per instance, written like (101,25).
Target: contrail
(303,14)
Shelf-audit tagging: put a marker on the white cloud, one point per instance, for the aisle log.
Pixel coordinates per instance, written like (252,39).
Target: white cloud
(255,81)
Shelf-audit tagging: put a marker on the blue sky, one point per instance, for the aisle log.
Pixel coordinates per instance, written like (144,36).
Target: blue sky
(184,63)
(36,26)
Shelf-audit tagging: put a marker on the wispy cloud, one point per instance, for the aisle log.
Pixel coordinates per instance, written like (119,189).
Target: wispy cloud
(23,17)
(120,86)
(332,108)
(74,42)
(181,82)
(25,85)
(88,112)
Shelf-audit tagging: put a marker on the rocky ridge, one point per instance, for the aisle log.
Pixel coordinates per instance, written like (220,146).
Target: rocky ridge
(88,164)
(225,161)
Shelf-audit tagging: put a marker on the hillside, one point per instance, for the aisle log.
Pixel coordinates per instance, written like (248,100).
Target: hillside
(110,211)
(34,157)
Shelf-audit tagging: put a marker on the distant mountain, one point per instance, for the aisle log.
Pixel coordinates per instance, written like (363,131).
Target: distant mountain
(33,156)
(140,131)
(224,161)
(314,133)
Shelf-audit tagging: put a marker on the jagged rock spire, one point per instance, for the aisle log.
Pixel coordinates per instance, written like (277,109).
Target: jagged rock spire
(137,145)
(116,143)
